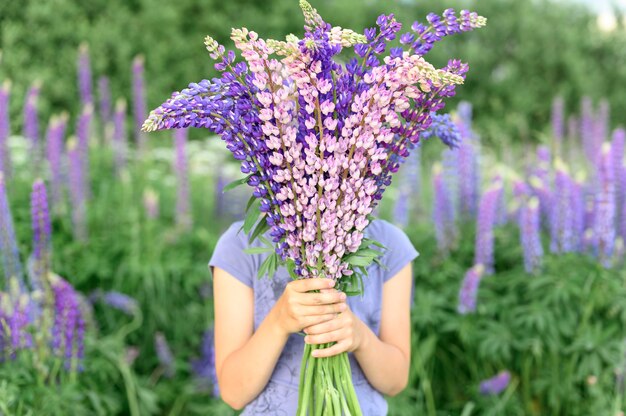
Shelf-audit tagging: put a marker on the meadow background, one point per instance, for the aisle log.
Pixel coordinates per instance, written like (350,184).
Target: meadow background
(536,194)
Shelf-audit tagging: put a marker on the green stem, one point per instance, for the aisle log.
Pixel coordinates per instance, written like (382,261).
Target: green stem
(307,386)
(305,358)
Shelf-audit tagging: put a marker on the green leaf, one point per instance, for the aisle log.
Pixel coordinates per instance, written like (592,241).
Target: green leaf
(260,228)
(250,202)
(236,183)
(258,250)
(264,267)
(252,216)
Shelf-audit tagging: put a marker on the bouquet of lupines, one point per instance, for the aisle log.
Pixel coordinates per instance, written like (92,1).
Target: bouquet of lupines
(319,141)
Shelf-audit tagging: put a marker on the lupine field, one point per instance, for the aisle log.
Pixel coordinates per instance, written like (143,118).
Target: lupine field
(105,231)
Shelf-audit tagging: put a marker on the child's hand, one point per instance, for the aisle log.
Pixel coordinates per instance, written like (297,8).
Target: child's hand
(344,330)
(297,308)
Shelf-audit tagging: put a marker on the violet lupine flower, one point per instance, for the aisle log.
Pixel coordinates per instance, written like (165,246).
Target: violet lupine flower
(617,147)
(9,251)
(443,127)
(521,193)
(139,101)
(558,126)
(604,215)
(587,128)
(83,133)
(450,163)
(104,93)
(409,188)
(151,203)
(164,354)
(443,212)
(77,188)
(484,227)
(468,174)
(69,324)
(578,209)
(15,314)
(183,211)
(84,75)
(530,234)
(469,289)
(601,124)
(31,121)
(54,155)
(121,302)
(120,142)
(204,367)
(440,27)
(42,230)
(5,157)
(501,208)
(562,231)
(496,384)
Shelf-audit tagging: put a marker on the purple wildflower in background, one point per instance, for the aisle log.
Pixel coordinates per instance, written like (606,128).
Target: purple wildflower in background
(164,354)
(9,251)
(484,227)
(121,302)
(617,148)
(84,75)
(401,207)
(601,125)
(69,325)
(562,219)
(40,216)
(120,142)
(139,101)
(5,156)
(530,234)
(587,128)
(501,208)
(468,178)
(450,172)
(104,92)
(54,155)
(31,121)
(204,367)
(578,209)
(496,384)
(183,210)
(151,203)
(469,289)
(445,129)
(83,133)
(558,126)
(409,190)
(443,211)
(77,188)
(604,215)
(15,312)
(521,193)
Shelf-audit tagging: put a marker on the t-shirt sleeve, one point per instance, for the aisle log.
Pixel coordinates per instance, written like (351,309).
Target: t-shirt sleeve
(399,251)
(229,255)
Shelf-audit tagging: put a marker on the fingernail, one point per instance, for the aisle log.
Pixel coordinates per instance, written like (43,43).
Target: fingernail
(343,296)
(331,283)
(306,339)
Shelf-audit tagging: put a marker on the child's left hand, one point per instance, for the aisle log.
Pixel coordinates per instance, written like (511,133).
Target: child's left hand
(345,330)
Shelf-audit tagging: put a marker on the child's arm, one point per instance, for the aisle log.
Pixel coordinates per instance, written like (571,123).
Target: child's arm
(245,359)
(385,360)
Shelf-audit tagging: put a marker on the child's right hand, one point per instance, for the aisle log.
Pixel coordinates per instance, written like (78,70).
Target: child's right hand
(297,308)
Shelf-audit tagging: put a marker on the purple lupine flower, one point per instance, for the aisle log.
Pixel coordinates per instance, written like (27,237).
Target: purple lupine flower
(151,203)
(164,354)
(587,128)
(54,154)
(530,234)
(445,129)
(617,147)
(468,178)
(572,137)
(120,144)
(541,181)
(69,324)
(484,227)
(562,231)
(450,172)
(77,188)
(42,230)
(9,251)
(521,193)
(104,93)
(5,157)
(83,133)
(443,211)
(496,384)
(121,302)
(139,101)
(15,312)
(578,209)
(604,215)
(84,75)
(31,121)
(183,211)
(501,208)
(468,292)
(601,124)
(204,367)
(558,126)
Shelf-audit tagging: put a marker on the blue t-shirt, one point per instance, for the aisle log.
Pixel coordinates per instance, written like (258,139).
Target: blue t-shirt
(280,396)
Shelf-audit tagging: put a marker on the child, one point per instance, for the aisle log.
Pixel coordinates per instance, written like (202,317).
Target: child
(257,345)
